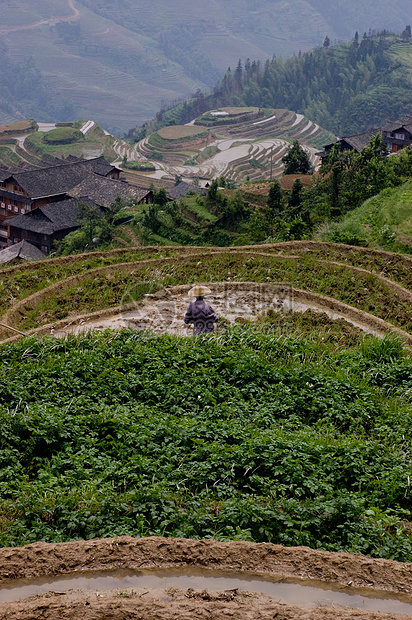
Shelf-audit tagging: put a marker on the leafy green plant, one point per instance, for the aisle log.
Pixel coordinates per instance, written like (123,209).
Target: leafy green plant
(246,435)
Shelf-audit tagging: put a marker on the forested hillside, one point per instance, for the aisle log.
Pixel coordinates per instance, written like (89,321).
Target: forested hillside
(346,88)
(119,62)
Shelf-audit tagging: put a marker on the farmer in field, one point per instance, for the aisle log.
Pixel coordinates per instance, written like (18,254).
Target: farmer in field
(200,313)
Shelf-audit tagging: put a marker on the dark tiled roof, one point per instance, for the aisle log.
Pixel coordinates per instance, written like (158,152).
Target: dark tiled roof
(51,218)
(58,177)
(23,250)
(393,126)
(104,191)
(360,140)
(182,189)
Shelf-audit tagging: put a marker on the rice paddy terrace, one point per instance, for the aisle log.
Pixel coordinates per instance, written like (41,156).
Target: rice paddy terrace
(238,143)
(146,288)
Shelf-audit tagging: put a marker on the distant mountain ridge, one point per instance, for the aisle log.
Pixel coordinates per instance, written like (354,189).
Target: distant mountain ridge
(117,60)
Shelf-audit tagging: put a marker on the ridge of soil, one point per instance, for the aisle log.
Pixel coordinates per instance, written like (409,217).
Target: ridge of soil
(45,559)
(173,605)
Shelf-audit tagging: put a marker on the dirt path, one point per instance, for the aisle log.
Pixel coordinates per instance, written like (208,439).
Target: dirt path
(52,21)
(359,575)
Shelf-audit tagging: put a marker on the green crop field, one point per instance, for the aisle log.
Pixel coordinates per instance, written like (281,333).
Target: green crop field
(248,435)
(181,132)
(64,141)
(293,429)
(375,282)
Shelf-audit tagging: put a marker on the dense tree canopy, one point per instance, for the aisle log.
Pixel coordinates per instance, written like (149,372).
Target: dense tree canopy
(296,160)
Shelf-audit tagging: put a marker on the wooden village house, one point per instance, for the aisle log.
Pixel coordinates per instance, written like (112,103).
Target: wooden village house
(39,203)
(24,189)
(396,136)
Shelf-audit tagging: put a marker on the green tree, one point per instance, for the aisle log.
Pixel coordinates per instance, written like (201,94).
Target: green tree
(212,191)
(274,205)
(159,196)
(295,197)
(296,160)
(406,34)
(150,219)
(87,218)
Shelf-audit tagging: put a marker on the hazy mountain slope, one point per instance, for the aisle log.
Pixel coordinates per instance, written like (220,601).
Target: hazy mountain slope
(346,15)
(116,60)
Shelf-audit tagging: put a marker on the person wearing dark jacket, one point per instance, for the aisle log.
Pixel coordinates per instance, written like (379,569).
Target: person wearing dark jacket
(200,313)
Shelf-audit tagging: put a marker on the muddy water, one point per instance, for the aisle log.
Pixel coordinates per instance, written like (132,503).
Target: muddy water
(167,315)
(304,593)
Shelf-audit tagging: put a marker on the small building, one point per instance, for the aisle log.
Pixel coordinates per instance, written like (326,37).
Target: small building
(47,223)
(19,252)
(356,143)
(397,135)
(182,189)
(104,191)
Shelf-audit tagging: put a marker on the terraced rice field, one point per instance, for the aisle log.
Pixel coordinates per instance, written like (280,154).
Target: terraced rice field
(369,288)
(250,148)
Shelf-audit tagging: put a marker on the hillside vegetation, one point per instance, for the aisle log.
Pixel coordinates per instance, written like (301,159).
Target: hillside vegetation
(166,51)
(384,221)
(345,88)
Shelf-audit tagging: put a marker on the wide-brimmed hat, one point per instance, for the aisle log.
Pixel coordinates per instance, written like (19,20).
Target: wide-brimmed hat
(199,291)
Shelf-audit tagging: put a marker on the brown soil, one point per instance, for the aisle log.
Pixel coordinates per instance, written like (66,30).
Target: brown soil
(343,569)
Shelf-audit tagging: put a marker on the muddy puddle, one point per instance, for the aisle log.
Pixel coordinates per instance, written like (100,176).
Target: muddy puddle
(304,593)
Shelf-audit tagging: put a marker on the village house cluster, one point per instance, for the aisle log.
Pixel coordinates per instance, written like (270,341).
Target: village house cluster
(38,204)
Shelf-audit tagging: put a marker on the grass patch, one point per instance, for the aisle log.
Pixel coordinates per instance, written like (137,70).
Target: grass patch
(181,132)
(384,221)
(199,209)
(18,127)
(8,157)
(138,165)
(63,135)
